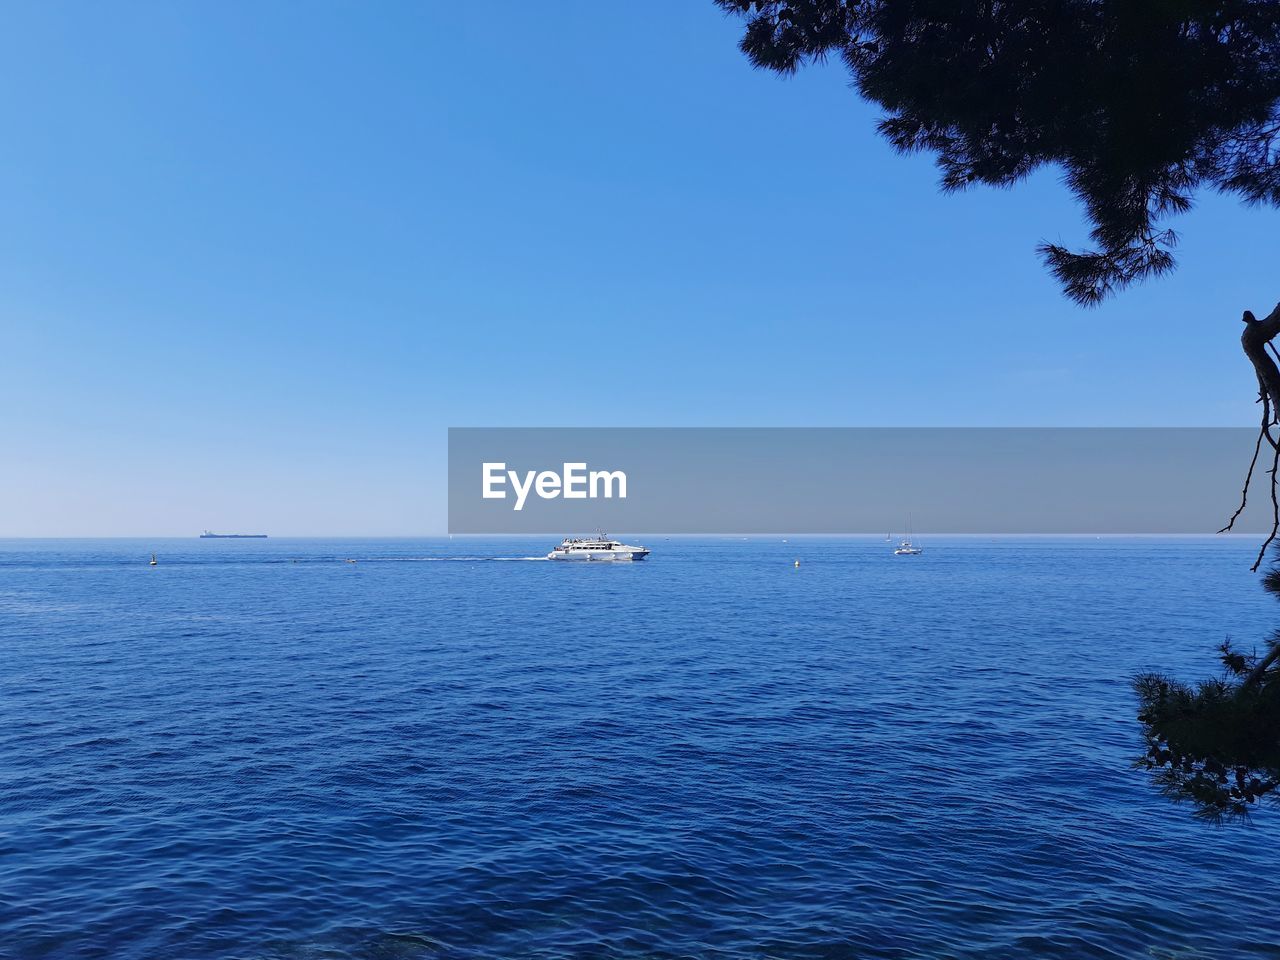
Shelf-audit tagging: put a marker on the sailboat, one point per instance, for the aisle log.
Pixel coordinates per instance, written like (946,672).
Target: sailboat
(906,548)
(153,560)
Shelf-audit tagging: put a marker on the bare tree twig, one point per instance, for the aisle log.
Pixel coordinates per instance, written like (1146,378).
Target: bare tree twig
(1275,511)
(1257,448)
(1262,353)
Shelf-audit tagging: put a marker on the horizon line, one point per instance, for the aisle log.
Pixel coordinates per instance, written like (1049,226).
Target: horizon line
(738,534)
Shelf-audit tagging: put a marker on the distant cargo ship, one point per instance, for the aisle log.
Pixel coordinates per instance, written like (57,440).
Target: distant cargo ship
(232,536)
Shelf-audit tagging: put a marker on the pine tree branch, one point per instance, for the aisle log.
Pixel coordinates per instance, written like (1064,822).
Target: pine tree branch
(1256,673)
(1256,341)
(1257,335)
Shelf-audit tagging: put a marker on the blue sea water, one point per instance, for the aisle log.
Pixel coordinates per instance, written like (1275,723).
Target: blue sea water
(258,750)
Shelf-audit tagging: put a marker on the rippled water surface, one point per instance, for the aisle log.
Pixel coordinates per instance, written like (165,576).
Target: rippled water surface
(259,750)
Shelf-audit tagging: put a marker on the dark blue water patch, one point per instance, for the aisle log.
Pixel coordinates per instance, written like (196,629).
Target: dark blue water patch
(708,754)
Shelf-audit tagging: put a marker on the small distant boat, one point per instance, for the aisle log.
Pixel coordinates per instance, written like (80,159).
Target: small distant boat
(153,560)
(907,549)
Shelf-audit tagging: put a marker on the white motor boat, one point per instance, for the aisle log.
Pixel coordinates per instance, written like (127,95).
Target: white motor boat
(596,548)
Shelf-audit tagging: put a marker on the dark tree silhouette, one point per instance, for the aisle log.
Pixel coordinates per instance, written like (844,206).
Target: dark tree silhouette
(1217,744)
(1140,104)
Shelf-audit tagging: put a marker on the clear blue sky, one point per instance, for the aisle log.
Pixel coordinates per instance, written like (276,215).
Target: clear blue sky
(256,258)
